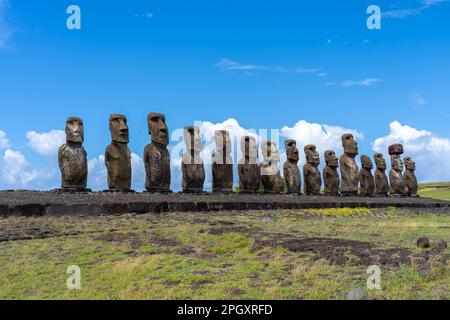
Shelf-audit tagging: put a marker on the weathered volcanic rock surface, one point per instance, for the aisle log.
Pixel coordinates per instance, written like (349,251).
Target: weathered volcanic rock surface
(29,203)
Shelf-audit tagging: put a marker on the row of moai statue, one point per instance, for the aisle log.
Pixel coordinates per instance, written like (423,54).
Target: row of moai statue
(351,181)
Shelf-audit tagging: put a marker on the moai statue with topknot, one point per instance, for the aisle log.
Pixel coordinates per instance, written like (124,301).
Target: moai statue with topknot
(290,168)
(270,174)
(396,173)
(72,158)
(330,174)
(311,173)
(349,168)
(156,155)
(381,179)
(192,167)
(222,163)
(409,178)
(366,180)
(248,169)
(118,156)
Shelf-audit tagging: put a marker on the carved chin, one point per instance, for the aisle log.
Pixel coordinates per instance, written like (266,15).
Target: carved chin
(75,139)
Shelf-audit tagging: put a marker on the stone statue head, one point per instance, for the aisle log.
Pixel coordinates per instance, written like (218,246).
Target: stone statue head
(249,148)
(350,145)
(291,150)
(410,164)
(397,163)
(270,151)
(119,128)
(366,162)
(74,130)
(331,159)
(312,156)
(223,143)
(157,128)
(192,138)
(379,161)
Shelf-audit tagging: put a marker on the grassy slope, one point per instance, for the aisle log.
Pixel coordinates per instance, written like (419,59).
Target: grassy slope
(437,190)
(214,256)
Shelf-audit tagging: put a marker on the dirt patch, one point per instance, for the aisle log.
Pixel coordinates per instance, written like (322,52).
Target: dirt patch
(135,240)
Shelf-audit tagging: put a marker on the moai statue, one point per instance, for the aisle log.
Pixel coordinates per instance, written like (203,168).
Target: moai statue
(366,180)
(330,174)
(349,168)
(222,163)
(311,173)
(396,173)
(409,178)
(156,155)
(270,175)
(72,158)
(290,168)
(192,167)
(118,156)
(381,179)
(248,169)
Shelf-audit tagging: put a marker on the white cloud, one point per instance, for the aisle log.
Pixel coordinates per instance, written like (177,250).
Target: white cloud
(230,65)
(307,70)
(47,143)
(365,83)
(429,151)
(4,141)
(418,100)
(410,12)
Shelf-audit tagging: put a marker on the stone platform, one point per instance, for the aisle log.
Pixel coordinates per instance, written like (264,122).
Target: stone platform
(35,203)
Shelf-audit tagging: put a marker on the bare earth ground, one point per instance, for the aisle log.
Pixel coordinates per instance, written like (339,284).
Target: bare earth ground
(283,254)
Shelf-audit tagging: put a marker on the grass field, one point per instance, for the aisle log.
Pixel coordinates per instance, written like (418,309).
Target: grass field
(315,254)
(439,190)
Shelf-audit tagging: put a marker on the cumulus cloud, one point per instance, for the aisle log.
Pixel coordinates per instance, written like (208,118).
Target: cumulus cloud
(4,141)
(47,143)
(430,152)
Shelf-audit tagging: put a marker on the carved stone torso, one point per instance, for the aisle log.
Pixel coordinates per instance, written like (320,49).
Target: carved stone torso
(410,182)
(292,177)
(270,182)
(222,173)
(193,171)
(312,178)
(72,160)
(396,182)
(331,180)
(367,182)
(349,174)
(118,163)
(381,182)
(157,167)
(249,177)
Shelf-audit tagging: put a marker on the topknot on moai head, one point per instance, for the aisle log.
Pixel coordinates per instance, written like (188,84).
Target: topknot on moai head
(380,161)
(270,151)
(366,162)
(157,128)
(409,163)
(350,145)
(331,159)
(223,143)
(291,150)
(396,149)
(119,128)
(312,156)
(74,130)
(192,139)
(249,148)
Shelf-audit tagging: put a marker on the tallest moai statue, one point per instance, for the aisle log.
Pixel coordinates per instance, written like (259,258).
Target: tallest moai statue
(156,155)
(349,168)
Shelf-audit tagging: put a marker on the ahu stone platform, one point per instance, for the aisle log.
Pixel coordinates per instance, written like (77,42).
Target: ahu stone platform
(35,203)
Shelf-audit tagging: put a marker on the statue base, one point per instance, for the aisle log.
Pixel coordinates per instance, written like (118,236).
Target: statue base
(381,195)
(118,190)
(72,190)
(193,190)
(349,193)
(163,191)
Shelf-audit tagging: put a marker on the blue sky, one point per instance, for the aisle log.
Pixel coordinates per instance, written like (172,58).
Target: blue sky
(267,64)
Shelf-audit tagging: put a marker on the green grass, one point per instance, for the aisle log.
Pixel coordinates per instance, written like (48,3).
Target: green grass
(213,256)
(435,190)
